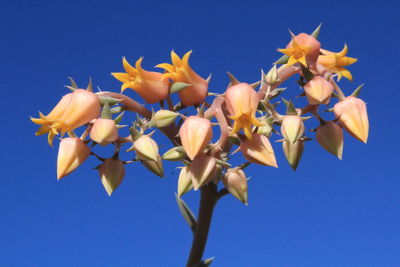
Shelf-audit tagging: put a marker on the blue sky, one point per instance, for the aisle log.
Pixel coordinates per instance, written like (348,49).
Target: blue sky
(327,213)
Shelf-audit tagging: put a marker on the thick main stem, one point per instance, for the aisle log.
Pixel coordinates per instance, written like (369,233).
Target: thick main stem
(208,200)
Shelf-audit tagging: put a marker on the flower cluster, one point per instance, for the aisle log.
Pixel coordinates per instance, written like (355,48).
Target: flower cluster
(246,114)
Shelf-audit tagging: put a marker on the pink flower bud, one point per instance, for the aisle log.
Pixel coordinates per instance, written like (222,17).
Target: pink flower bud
(195,135)
(330,137)
(152,86)
(241,102)
(73,111)
(236,182)
(318,91)
(202,168)
(72,152)
(292,128)
(104,131)
(111,172)
(352,115)
(258,150)
(293,152)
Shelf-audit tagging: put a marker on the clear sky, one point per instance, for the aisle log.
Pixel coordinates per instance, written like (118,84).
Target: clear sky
(328,213)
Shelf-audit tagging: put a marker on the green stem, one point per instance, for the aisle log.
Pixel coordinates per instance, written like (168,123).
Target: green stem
(208,199)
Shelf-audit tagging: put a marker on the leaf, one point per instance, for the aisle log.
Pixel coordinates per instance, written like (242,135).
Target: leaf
(186,213)
(178,86)
(204,263)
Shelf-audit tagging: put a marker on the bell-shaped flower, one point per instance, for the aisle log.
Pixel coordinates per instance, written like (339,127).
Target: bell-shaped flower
(195,134)
(73,110)
(318,91)
(292,128)
(111,172)
(241,102)
(330,136)
(72,152)
(258,150)
(303,49)
(203,169)
(293,152)
(184,181)
(152,86)
(104,131)
(352,116)
(336,62)
(163,118)
(146,148)
(180,71)
(236,182)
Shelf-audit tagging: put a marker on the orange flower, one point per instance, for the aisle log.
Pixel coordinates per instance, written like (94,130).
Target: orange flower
(104,131)
(195,135)
(73,110)
(258,150)
(180,71)
(152,86)
(353,116)
(335,62)
(303,49)
(236,182)
(241,102)
(330,137)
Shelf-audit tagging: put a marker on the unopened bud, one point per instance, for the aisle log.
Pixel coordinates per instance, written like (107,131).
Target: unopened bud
(155,167)
(352,115)
(266,129)
(104,131)
(236,182)
(72,152)
(202,169)
(318,91)
(174,154)
(258,150)
(112,171)
(146,148)
(185,181)
(163,118)
(292,128)
(330,137)
(293,152)
(272,76)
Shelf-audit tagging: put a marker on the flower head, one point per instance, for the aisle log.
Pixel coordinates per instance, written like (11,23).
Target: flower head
(195,135)
(72,152)
(152,86)
(241,102)
(180,71)
(352,115)
(258,150)
(335,62)
(73,110)
(303,49)
(104,131)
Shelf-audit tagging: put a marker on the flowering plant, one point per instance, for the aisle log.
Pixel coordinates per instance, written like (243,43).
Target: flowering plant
(246,114)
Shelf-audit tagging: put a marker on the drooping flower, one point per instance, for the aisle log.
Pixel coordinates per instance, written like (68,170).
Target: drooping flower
(180,71)
(185,183)
(352,116)
(111,172)
(146,148)
(293,152)
(330,136)
(241,102)
(303,49)
(152,86)
(74,110)
(202,169)
(336,62)
(318,91)
(195,135)
(258,150)
(104,131)
(292,128)
(236,182)
(72,152)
